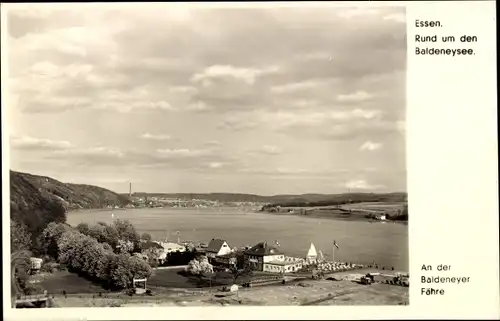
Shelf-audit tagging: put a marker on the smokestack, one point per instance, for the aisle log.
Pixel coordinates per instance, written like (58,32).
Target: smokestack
(130,190)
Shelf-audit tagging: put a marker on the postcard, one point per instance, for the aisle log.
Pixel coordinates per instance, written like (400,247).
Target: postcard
(250,160)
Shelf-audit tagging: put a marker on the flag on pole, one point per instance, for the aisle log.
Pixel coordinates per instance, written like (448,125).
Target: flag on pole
(335,244)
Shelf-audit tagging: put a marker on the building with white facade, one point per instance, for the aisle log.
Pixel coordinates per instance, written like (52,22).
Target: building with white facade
(217,247)
(262,253)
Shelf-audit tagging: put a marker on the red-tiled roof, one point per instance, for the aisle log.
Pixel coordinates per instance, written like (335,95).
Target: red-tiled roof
(263,249)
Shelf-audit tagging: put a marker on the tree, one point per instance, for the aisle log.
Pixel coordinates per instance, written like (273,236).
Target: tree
(83,228)
(139,268)
(126,231)
(152,255)
(107,247)
(48,240)
(20,238)
(200,268)
(146,237)
(120,275)
(180,258)
(71,251)
(104,233)
(125,246)
(237,273)
(20,264)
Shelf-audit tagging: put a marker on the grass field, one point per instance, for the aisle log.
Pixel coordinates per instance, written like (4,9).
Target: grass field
(57,282)
(172,279)
(60,281)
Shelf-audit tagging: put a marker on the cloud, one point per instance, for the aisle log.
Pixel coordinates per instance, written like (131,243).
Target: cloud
(198,106)
(355,12)
(43,89)
(294,87)
(311,79)
(320,122)
(215,165)
(294,172)
(369,146)
(213,143)
(361,184)
(181,153)
(109,52)
(272,150)
(267,150)
(32,143)
(99,153)
(235,124)
(248,75)
(398,17)
(355,97)
(155,137)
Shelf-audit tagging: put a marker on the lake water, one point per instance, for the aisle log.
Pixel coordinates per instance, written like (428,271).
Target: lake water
(359,241)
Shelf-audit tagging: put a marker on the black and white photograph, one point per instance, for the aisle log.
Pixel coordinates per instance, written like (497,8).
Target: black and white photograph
(183,155)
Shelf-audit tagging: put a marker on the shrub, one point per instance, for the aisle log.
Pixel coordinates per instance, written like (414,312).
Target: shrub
(49,268)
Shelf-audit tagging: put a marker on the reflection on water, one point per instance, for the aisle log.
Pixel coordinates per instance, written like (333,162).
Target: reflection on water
(359,241)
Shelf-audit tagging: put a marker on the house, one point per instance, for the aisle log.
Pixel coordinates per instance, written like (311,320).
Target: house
(381,217)
(162,249)
(36,264)
(262,253)
(217,247)
(148,247)
(170,247)
(226,260)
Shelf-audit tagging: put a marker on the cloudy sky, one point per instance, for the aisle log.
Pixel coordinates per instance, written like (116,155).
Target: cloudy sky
(177,99)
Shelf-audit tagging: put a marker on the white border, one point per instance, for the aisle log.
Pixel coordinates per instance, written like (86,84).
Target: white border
(463,178)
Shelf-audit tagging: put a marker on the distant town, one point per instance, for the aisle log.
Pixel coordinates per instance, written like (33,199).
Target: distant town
(156,201)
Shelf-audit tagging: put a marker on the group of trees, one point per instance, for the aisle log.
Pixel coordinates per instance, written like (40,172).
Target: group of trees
(84,254)
(20,243)
(121,235)
(201,268)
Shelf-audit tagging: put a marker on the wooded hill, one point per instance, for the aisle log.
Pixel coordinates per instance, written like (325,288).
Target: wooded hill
(71,196)
(36,200)
(284,200)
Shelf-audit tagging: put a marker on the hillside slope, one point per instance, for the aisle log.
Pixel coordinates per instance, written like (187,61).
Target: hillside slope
(71,196)
(31,207)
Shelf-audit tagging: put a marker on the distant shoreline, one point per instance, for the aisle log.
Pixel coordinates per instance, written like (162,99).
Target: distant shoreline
(353,217)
